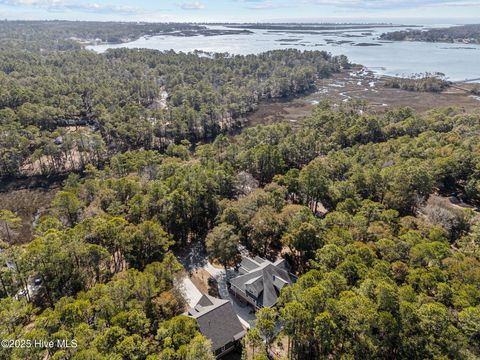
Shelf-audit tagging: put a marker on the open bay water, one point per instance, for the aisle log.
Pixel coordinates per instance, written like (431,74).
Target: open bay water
(458,61)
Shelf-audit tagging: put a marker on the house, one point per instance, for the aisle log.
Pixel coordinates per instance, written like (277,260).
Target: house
(260,281)
(218,322)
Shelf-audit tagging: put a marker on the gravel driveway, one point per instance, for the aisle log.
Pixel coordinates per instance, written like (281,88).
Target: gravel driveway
(244,311)
(196,258)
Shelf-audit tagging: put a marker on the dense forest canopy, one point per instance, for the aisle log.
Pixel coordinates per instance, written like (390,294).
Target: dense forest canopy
(376,213)
(60,110)
(69,35)
(389,245)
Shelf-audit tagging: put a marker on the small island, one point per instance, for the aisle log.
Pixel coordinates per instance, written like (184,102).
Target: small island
(466,34)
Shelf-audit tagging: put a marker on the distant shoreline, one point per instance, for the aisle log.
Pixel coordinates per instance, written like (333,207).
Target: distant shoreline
(463,34)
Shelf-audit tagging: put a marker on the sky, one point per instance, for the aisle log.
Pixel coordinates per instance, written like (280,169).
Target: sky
(426,11)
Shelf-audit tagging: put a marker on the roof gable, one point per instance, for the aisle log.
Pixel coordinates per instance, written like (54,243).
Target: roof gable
(218,321)
(264,281)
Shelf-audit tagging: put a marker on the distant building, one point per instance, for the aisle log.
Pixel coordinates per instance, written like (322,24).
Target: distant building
(260,281)
(218,322)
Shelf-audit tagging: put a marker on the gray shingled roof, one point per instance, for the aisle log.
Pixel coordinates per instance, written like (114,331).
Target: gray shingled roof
(264,281)
(248,264)
(217,321)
